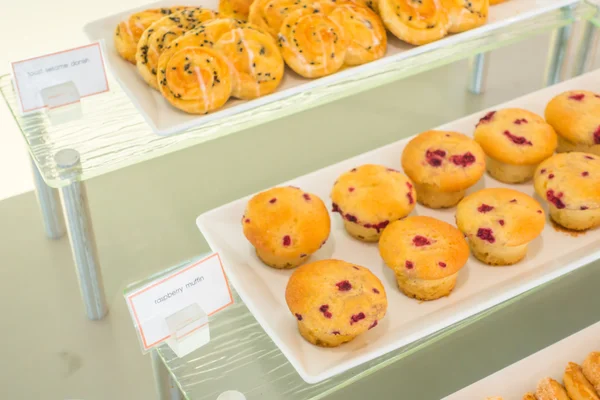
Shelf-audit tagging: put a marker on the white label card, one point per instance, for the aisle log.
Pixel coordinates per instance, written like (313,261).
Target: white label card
(202,282)
(83,66)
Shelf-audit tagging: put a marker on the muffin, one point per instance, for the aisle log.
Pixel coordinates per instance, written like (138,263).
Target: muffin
(499,224)
(591,369)
(335,301)
(443,165)
(575,116)
(369,197)
(426,255)
(578,387)
(570,182)
(515,141)
(549,389)
(286,225)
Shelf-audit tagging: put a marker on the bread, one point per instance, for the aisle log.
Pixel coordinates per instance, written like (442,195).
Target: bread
(286,225)
(415,23)
(268,15)
(578,387)
(426,255)
(549,389)
(575,116)
(466,14)
(237,9)
(570,183)
(334,301)
(515,141)
(443,165)
(591,369)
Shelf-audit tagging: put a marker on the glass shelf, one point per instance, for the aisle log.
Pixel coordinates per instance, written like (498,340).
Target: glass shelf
(111,134)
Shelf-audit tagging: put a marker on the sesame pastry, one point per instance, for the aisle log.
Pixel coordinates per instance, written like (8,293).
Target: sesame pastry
(236,9)
(269,14)
(529,396)
(591,369)
(466,14)
(415,22)
(577,385)
(549,389)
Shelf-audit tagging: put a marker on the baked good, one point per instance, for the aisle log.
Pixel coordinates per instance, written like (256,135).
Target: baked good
(494,2)
(415,22)
(365,31)
(426,255)
(286,225)
(268,15)
(515,141)
(128,32)
(549,389)
(162,32)
(529,396)
(575,116)
(578,387)
(591,369)
(466,14)
(570,182)
(443,165)
(499,223)
(334,301)
(371,196)
(237,9)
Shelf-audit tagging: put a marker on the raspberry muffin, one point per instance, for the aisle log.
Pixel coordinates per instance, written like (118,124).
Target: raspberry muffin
(570,182)
(549,389)
(369,197)
(334,301)
(285,225)
(426,255)
(591,369)
(577,385)
(515,141)
(499,224)
(575,116)
(443,165)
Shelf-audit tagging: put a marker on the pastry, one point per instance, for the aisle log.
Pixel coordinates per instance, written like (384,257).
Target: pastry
(286,225)
(128,33)
(529,396)
(237,9)
(162,32)
(369,197)
(499,223)
(466,14)
(515,141)
(570,182)
(575,116)
(365,31)
(494,2)
(268,15)
(426,255)
(578,387)
(591,369)
(414,22)
(257,65)
(334,301)
(549,389)
(372,4)
(443,165)
(312,43)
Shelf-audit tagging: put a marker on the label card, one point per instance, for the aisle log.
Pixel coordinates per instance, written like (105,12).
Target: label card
(150,306)
(82,66)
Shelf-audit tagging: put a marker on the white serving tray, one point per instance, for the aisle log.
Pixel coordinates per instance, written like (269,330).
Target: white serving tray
(515,380)
(479,287)
(165,119)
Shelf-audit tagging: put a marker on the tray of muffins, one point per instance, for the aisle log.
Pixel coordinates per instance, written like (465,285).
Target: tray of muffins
(186,64)
(370,254)
(567,370)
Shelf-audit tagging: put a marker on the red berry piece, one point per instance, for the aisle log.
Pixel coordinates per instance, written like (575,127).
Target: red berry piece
(287,240)
(487,118)
(335,333)
(411,200)
(577,97)
(543,171)
(551,176)
(335,208)
(421,241)
(353,170)
(409,185)
(351,189)
(303,255)
(357,317)
(589,157)
(513,201)
(306,196)
(381,226)
(373,325)
(597,135)
(351,218)
(442,264)
(355,267)
(501,222)
(521,121)
(325,310)
(520,140)
(583,207)
(484,208)
(555,199)
(273,200)
(486,234)
(409,264)
(585,173)
(343,286)
(434,157)
(375,291)
(463,160)
(392,170)
(299,317)
(539,211)
(247,220)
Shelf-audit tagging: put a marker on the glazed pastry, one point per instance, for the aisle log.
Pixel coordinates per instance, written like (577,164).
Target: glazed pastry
(236,9)
(370,197)
(591,369)
(256,63)
(371,4)
(549,389)
(570,182)
(415,22)
(312,43)
(426,255)
(286,225)
(529,396)
(128,33)
(499,224)
(515,141)
(334,301)
(366,33)
(268,15)
(443,165)
(466,14)
(575,116)
(578,387)
(161,33)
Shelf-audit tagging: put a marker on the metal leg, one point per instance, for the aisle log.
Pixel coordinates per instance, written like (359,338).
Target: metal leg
(584,53)
(49,201)
(477,73)
(81,235)
(163,381)
(556,55)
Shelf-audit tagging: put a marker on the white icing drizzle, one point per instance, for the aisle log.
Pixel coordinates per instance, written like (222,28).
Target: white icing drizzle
(202,88)
(250,59)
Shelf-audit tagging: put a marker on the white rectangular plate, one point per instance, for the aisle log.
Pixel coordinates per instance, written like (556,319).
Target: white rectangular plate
(165,119)
(515,380)
(479,287)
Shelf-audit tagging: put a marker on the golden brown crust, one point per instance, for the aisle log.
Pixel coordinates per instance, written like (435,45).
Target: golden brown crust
(238,9)
(466,14)
(449,161)
(415,23)
(575,115)
(591,369)
(516,136)
(549,389)
(529,396)
(578,387)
